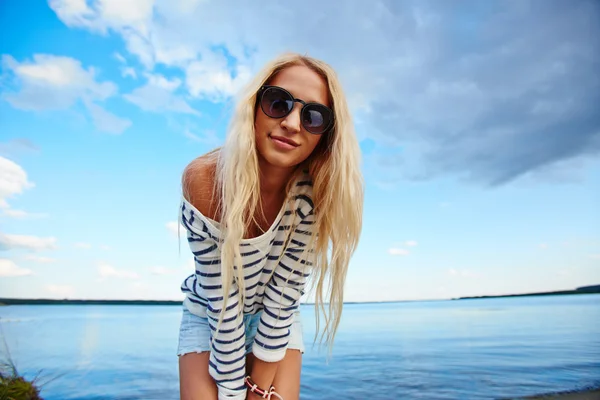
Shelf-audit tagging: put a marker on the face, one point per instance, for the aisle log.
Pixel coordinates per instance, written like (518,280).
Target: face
(284,142)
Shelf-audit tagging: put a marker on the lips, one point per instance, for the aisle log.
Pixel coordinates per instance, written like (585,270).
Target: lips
(285,140)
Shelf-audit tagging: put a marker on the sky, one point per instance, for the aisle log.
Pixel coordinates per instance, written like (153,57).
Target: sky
(478,122)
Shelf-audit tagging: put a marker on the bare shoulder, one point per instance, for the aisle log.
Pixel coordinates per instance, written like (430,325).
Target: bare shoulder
(198,185)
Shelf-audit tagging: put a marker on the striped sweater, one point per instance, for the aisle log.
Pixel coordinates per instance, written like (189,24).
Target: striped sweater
(274,284)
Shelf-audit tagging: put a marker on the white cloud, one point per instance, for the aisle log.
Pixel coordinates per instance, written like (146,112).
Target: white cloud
(54,82)
(16,146)
(105,247)
(9,269)
(119,57)
(39,259)
(595,256)
(462,273)
(411,243)
(81,245)
(106,121)
(543,245)
(51,82)
(20,214)
(209,137)
(216,45)
(131,19)
(9,242)
(398,251)
(128,71)
(172,226)
(157,95)
(61,291)
(211,78)
(13,180)
(102,15)
(108,271)
(161,271)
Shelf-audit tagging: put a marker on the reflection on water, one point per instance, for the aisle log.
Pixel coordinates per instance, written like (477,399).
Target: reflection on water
(469,349)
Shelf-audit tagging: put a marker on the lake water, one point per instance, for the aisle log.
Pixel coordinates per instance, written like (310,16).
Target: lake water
(468,349)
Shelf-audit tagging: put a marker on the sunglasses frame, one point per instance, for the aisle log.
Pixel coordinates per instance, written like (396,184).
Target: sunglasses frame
(264,88)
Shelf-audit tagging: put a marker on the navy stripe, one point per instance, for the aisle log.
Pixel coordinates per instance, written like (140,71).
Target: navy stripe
(290,308)
(249,253)
(253,286)
(304,183)
(221,381)
(214,328)
(247,277)
(285,296)
(210,287)
(274,327)
(197,301)
(217,311)
(273,337)
(220,298)
(186,224)
(225,372)
(229,351)
(293,257)
(225,320)
(306,199)
(300,232)
(298,243)
(287,281)
(220,341)
(209,262)
(274,316)
(293,271)
(208,274)
(205,251)
(253,263)
(230,362)
(266,346)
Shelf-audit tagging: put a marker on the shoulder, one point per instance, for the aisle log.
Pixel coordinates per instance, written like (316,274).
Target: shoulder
(198,185)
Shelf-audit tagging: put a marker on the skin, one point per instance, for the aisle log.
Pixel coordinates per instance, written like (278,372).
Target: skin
(276,168)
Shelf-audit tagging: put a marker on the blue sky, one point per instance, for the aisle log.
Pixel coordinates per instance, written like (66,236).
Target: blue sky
(478,123)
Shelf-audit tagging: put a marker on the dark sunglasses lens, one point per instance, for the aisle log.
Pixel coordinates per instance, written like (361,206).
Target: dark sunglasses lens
(276,103)
(316,119)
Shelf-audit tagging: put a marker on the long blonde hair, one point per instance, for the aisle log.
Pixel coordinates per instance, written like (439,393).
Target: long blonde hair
(334,167)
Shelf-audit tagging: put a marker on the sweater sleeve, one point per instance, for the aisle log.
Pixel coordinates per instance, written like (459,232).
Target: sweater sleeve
(284,290)
(227,361)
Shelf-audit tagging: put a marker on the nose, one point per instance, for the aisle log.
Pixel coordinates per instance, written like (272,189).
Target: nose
(291,122)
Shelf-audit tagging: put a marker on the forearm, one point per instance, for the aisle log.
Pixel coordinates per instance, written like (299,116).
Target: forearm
(263,374)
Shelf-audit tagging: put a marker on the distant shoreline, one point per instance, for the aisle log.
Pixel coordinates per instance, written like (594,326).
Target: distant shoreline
(580,290)
(8,302)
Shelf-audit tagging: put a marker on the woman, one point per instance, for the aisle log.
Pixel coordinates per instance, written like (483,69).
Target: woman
(283,190)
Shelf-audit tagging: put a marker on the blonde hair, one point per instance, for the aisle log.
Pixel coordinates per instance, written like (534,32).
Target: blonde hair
(334,167)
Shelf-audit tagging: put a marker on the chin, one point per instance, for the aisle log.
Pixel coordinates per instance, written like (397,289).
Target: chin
(280,160)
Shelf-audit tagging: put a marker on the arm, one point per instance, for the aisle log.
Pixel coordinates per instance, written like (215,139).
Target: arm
(281,298)
(227,360)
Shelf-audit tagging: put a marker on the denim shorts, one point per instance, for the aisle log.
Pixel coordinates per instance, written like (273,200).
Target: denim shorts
(194,333)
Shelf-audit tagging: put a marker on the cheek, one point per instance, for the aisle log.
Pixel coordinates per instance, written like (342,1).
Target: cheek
(313,141)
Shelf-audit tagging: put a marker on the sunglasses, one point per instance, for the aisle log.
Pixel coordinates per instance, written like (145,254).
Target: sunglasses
(277,102)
